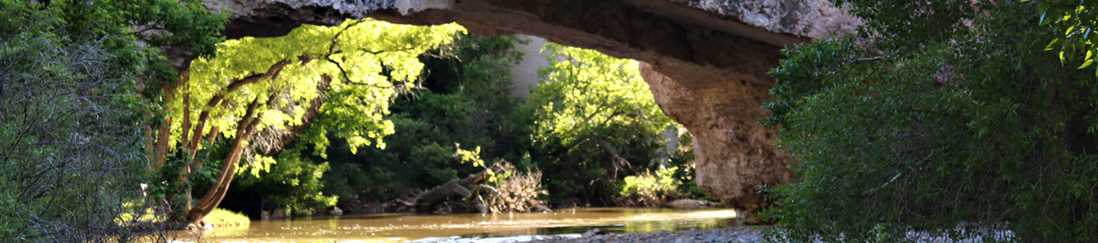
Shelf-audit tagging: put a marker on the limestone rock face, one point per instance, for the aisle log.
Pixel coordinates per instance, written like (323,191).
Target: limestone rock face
(705,60)
(270,18)
(733,155)
(817,19)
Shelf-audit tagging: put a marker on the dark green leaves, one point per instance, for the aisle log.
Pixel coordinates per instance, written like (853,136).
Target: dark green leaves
(1074,23)
(946,137)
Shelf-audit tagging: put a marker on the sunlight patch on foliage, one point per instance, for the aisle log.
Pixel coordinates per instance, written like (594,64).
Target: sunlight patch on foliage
(354,66)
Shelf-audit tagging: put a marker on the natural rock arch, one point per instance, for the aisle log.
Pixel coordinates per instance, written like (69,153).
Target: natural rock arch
(705,60)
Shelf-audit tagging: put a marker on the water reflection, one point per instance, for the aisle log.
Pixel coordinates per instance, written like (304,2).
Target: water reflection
(402,227)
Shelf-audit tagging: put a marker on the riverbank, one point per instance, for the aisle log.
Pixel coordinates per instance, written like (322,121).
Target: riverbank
(734,234)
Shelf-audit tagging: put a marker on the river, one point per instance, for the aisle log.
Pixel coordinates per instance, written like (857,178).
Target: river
(471,227)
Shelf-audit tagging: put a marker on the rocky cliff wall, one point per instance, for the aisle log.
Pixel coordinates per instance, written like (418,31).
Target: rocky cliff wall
(733,155)
(816,19)
(705,60)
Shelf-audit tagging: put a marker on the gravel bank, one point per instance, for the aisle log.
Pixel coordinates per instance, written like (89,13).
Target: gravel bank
(731,234)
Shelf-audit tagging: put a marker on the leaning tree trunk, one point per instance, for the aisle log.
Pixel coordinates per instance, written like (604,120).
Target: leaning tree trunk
(245,130)
(190,142)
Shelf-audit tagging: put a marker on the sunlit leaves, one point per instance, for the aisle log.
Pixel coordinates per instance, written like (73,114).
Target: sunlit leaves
(353,67)
(595,121)
(1076,25)
(585,90)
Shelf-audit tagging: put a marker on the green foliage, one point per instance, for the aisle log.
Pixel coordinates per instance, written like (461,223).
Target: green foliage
(1075,26)
(595,120)
(412,161)
(326,80)
(180,26)
(225,218)
(437,161)
(471,156)
(683,159)
(906,26)
(344,63)
(958,133)
(463,98)
(588,92)
(650,190)
(72,124)
(804,71)
(697,192)
(293,181)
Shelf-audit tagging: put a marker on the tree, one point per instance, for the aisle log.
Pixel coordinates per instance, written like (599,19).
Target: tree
(595,119)
(269,84)
(465,98)
(955,122)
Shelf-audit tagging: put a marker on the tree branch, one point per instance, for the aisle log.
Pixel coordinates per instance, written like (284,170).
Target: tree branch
(866,59)
(871,191)
(271,73)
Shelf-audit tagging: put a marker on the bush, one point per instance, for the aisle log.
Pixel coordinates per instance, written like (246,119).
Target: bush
(650,190)
(72,121)
(225,218)
(955,123)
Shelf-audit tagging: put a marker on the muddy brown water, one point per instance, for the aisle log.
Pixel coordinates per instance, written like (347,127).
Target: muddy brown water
(470,227)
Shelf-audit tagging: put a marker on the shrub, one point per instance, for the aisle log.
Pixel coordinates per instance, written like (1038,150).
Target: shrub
(71,125)
(955,123)
(225,218)
(650,190)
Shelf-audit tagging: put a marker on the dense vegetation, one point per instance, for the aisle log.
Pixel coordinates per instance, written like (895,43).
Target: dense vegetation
(465,101)
(324,79)
(595,123)
(942,118)
(73,118)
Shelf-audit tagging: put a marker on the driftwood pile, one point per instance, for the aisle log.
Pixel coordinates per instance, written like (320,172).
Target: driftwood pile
(516,193)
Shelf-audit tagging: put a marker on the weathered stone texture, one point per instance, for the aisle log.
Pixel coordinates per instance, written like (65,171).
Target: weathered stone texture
(269,18)
(733,155)
(816,19)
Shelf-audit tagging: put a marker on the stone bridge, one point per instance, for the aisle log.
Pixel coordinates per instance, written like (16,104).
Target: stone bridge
(705,60)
